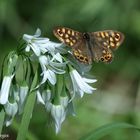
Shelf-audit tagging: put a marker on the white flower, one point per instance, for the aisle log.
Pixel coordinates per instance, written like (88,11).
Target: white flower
(49,69)
(45,99)
(64,101)
(58,114)
(46,95)
(46,73)
(39,98)
(57,57)
(80,84)
(11,110)
(23,91)
(5,88)
(70,109)
(39,44)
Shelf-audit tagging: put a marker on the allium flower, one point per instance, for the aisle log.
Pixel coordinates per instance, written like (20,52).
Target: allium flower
(56,87)
(58,114)
(39,98)
(23,91)
(11,110)
(5,88)
(80,84)
(64,101)
(38,44)
(46,95)
(49,69)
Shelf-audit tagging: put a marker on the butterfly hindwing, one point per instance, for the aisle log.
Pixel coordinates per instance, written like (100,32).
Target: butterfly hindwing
(82,53)
(67,35)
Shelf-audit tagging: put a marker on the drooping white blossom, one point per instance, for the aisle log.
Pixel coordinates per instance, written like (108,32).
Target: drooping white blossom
(80,84)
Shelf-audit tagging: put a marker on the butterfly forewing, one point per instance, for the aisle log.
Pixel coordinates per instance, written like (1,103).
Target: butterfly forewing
(109,38)
(74,39)
(67,35)
(104,42)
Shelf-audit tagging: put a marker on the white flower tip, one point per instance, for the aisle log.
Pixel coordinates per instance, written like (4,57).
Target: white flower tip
(39,98)
(3,101)
(38,32)
(57,129)
(8,123)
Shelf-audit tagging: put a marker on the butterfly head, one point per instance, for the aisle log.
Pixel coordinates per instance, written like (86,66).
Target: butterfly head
(86,36)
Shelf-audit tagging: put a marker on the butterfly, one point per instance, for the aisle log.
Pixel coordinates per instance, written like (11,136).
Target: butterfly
(90,46)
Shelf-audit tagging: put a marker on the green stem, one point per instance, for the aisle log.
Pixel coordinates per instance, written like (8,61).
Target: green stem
(58,90)
(2,116)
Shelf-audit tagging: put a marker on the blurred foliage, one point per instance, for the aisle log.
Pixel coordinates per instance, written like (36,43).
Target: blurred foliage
(118,94)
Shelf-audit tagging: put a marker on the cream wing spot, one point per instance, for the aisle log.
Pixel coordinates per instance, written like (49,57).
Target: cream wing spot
(105,43)
(72,33)
(69,32)
(106,34)
(66,35)
(112,44)
(71,44)
(111,39)
(67,40)
(74,41)
(63,30)
(112,34)
(102,35)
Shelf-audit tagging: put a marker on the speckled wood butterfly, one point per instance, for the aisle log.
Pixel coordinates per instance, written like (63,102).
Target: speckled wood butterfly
(90,46)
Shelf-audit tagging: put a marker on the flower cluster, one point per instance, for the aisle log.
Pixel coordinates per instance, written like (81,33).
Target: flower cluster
(57,84)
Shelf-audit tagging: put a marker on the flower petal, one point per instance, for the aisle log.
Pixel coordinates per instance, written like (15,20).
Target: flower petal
(11,110)
(23,90)
(39,98)
(80,84)
(5,88)
(58,113)
(37,33)
(89,80)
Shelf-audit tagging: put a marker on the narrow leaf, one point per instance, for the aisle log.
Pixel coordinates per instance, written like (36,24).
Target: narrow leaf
(107,129)
(2,115)
(23,129)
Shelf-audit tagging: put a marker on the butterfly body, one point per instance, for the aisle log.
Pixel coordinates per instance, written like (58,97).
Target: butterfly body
(90,46)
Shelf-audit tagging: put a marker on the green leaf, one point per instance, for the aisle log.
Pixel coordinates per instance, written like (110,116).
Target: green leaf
(106,129)
(2,115)
(30,135)
(23,129)
(59,86)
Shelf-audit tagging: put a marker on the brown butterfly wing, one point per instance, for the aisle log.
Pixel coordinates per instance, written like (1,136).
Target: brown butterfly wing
(74,39)
(103,42)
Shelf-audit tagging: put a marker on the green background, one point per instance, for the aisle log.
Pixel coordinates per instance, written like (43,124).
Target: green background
(118,96)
